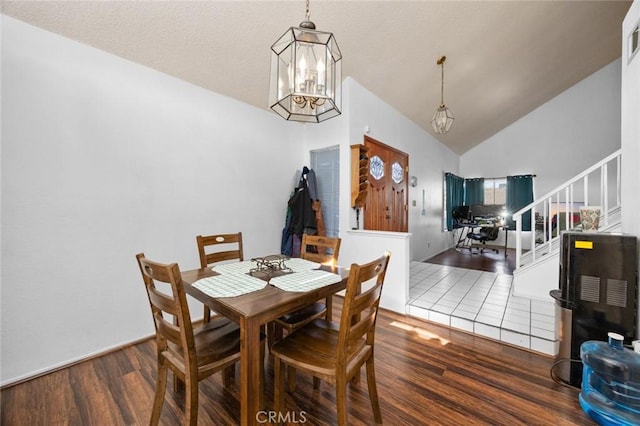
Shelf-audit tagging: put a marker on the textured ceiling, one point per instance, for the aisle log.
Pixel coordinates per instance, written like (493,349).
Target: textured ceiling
(504,59)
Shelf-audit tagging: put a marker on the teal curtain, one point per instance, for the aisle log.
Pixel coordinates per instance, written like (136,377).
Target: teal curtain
(473,191)
(519,195)
(454,196)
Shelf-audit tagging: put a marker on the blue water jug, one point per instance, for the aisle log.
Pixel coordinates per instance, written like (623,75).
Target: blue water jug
(610,391)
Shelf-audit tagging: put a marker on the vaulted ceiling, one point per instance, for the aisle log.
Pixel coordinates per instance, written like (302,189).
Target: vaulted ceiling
(504,59)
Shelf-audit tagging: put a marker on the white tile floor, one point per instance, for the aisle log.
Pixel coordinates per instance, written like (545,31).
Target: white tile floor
(481,303)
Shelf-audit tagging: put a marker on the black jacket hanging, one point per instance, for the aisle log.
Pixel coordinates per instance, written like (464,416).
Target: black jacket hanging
(303,219)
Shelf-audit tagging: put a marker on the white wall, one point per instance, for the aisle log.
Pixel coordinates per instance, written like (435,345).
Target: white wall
(558,140)
(102,159)
(631,131)
(630,127)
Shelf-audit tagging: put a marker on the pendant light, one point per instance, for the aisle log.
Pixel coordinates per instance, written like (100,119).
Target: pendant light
(443,118)
(306,74)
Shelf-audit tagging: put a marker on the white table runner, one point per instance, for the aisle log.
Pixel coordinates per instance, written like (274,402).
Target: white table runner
(305,280)
(229,285)
(234,279)
(297,264)
(243,267)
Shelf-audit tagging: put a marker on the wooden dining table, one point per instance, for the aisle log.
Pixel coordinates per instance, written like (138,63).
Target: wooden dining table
(251,311)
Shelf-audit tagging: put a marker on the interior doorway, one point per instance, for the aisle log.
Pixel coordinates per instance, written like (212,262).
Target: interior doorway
(387,207)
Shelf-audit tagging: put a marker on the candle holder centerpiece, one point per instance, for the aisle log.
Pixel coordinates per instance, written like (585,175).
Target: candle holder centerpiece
(270,266)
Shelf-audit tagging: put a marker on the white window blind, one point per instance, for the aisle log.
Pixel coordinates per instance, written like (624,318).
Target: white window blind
(326,165)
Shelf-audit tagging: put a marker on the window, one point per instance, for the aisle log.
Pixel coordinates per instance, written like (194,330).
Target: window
(326,165)
(495,191)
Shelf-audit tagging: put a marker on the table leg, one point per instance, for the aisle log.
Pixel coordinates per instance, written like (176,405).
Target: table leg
(250,380)
(506,237)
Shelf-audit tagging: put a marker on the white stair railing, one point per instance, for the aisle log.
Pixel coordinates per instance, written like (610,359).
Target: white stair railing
(559,209)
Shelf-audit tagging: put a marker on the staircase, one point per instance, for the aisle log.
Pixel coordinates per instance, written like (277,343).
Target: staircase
(537,250)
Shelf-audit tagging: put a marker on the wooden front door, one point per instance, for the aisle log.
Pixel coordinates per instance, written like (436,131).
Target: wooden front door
(386,208)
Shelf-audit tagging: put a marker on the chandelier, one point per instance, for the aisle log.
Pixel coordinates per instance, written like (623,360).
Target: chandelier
(443,118)
(306,74)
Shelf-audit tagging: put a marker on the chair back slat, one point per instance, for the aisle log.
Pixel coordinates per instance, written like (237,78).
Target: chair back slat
(162,301)
(360,309)
(366,300)
(320,249)
(363,314)
(220,243)
(360,328)
(222,256)
(168,330)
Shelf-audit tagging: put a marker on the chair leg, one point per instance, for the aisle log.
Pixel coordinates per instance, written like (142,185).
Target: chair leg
(158,400)
(373,390)
(207,315)
(291,379)
(278,393)
(329,305)
(341,399)
(271,329)
(274,334)
(228,374)
(191,402)
(263,378)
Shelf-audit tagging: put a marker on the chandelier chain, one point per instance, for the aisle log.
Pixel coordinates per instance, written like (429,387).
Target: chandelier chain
(442,119)
(442,83)
(307,13)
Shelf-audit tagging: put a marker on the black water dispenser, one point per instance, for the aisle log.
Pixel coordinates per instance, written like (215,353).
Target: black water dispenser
(598,294)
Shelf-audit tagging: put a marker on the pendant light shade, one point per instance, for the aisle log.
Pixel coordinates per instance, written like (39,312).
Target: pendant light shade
(442,120)
(306,74)
(443,117)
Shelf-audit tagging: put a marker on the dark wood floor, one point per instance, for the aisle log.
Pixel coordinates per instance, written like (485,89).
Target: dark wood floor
(473,259)
(427,375)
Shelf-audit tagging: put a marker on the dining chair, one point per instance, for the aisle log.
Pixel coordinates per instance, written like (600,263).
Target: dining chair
(318,249)
(191,353)
(335,352)
(218,248)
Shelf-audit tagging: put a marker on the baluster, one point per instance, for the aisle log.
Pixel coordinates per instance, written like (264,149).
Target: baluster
(518,240)
(586,190)
(570,214)
(605,193)
(533,233)
(566,209)
(547,222)
(618,180)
